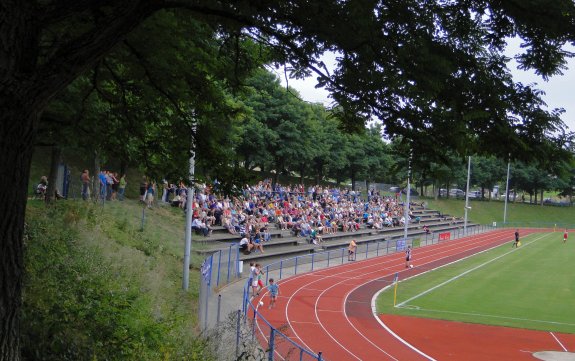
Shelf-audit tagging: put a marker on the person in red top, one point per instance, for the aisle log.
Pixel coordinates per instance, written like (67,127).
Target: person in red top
(565,236)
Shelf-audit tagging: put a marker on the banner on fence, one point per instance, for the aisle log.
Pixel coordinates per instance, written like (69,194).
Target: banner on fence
(445,236)
(400,245)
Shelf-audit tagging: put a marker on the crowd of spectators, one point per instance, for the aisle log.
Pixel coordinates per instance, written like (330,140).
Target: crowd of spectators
(309,213)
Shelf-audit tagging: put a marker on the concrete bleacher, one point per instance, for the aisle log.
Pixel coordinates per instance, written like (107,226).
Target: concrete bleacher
(284,244)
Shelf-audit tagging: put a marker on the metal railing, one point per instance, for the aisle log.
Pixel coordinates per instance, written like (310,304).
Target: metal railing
(277,340)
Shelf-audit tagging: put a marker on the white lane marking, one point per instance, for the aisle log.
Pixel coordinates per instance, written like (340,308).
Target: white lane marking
(559,342)
(417,308)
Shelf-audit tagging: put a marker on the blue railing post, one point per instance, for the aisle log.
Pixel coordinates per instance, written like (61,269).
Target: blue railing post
(229,261)
(387,247)
(271,344)
(281,268)
(254,324)
(238,336)
(267,273)
(312,260)
(219,267)
(295,268)
(328,258)
(342,255)
(377,249)
(319,358)
(238,274)
(366,249)
(244,301)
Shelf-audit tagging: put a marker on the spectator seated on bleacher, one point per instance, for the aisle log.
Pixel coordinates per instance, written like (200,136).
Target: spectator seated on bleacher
(245,245)
(314,237)
(227,223)
(201,227)
(265,234)
(426,229)
(258,242)
(305,229)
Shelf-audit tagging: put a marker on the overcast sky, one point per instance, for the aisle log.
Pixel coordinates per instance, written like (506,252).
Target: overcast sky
(558,90)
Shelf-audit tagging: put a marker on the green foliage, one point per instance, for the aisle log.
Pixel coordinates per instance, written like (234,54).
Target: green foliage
(81,304)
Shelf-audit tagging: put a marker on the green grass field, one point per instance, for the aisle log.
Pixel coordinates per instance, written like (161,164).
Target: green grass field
(530,287)
(486,212)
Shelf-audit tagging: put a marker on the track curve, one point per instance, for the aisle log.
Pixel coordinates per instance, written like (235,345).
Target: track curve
(330,310)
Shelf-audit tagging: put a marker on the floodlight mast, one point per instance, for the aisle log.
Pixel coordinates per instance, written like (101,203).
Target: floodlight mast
(467,196)
(506,190)
(406,211)
(189,213)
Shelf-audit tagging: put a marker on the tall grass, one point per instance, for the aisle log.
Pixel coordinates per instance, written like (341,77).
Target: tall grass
(98,287)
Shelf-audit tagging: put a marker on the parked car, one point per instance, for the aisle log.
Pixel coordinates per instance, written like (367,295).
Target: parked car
(413,192)
(394,189)
(475,194)
(456,193)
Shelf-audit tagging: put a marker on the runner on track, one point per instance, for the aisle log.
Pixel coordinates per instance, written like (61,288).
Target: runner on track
(408,257)
(516,243)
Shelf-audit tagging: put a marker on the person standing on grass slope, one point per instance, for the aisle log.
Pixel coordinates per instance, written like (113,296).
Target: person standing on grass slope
(274,292)
(565,235)
(516,243)
(408,257)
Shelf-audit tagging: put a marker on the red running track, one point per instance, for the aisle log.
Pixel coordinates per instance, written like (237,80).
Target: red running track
(330,310)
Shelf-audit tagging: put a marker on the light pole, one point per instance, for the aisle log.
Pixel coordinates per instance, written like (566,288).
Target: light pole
(506,190)
(406,212)
(467,196)
(189,212)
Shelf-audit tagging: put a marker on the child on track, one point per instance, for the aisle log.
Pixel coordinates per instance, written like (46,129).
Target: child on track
(260,281)
(274,292)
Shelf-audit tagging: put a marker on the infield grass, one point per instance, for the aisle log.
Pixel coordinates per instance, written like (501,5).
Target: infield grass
(530,287)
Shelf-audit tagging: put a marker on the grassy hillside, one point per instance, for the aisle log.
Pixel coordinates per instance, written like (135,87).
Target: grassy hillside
(486,212)
(97,287)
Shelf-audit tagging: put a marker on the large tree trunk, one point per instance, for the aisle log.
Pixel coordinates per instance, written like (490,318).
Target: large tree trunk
(16,148)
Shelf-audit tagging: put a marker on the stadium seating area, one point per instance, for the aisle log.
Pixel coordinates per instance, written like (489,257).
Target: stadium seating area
(283,244)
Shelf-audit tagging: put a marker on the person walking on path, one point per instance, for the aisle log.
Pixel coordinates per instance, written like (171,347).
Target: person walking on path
(565,235)
(516,243)
(408,257)
(274,292)
(351,250)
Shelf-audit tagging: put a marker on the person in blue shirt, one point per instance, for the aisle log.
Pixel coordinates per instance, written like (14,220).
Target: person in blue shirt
(274,292)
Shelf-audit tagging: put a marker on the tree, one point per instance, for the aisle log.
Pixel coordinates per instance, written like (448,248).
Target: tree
(422,67)
(486,172)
